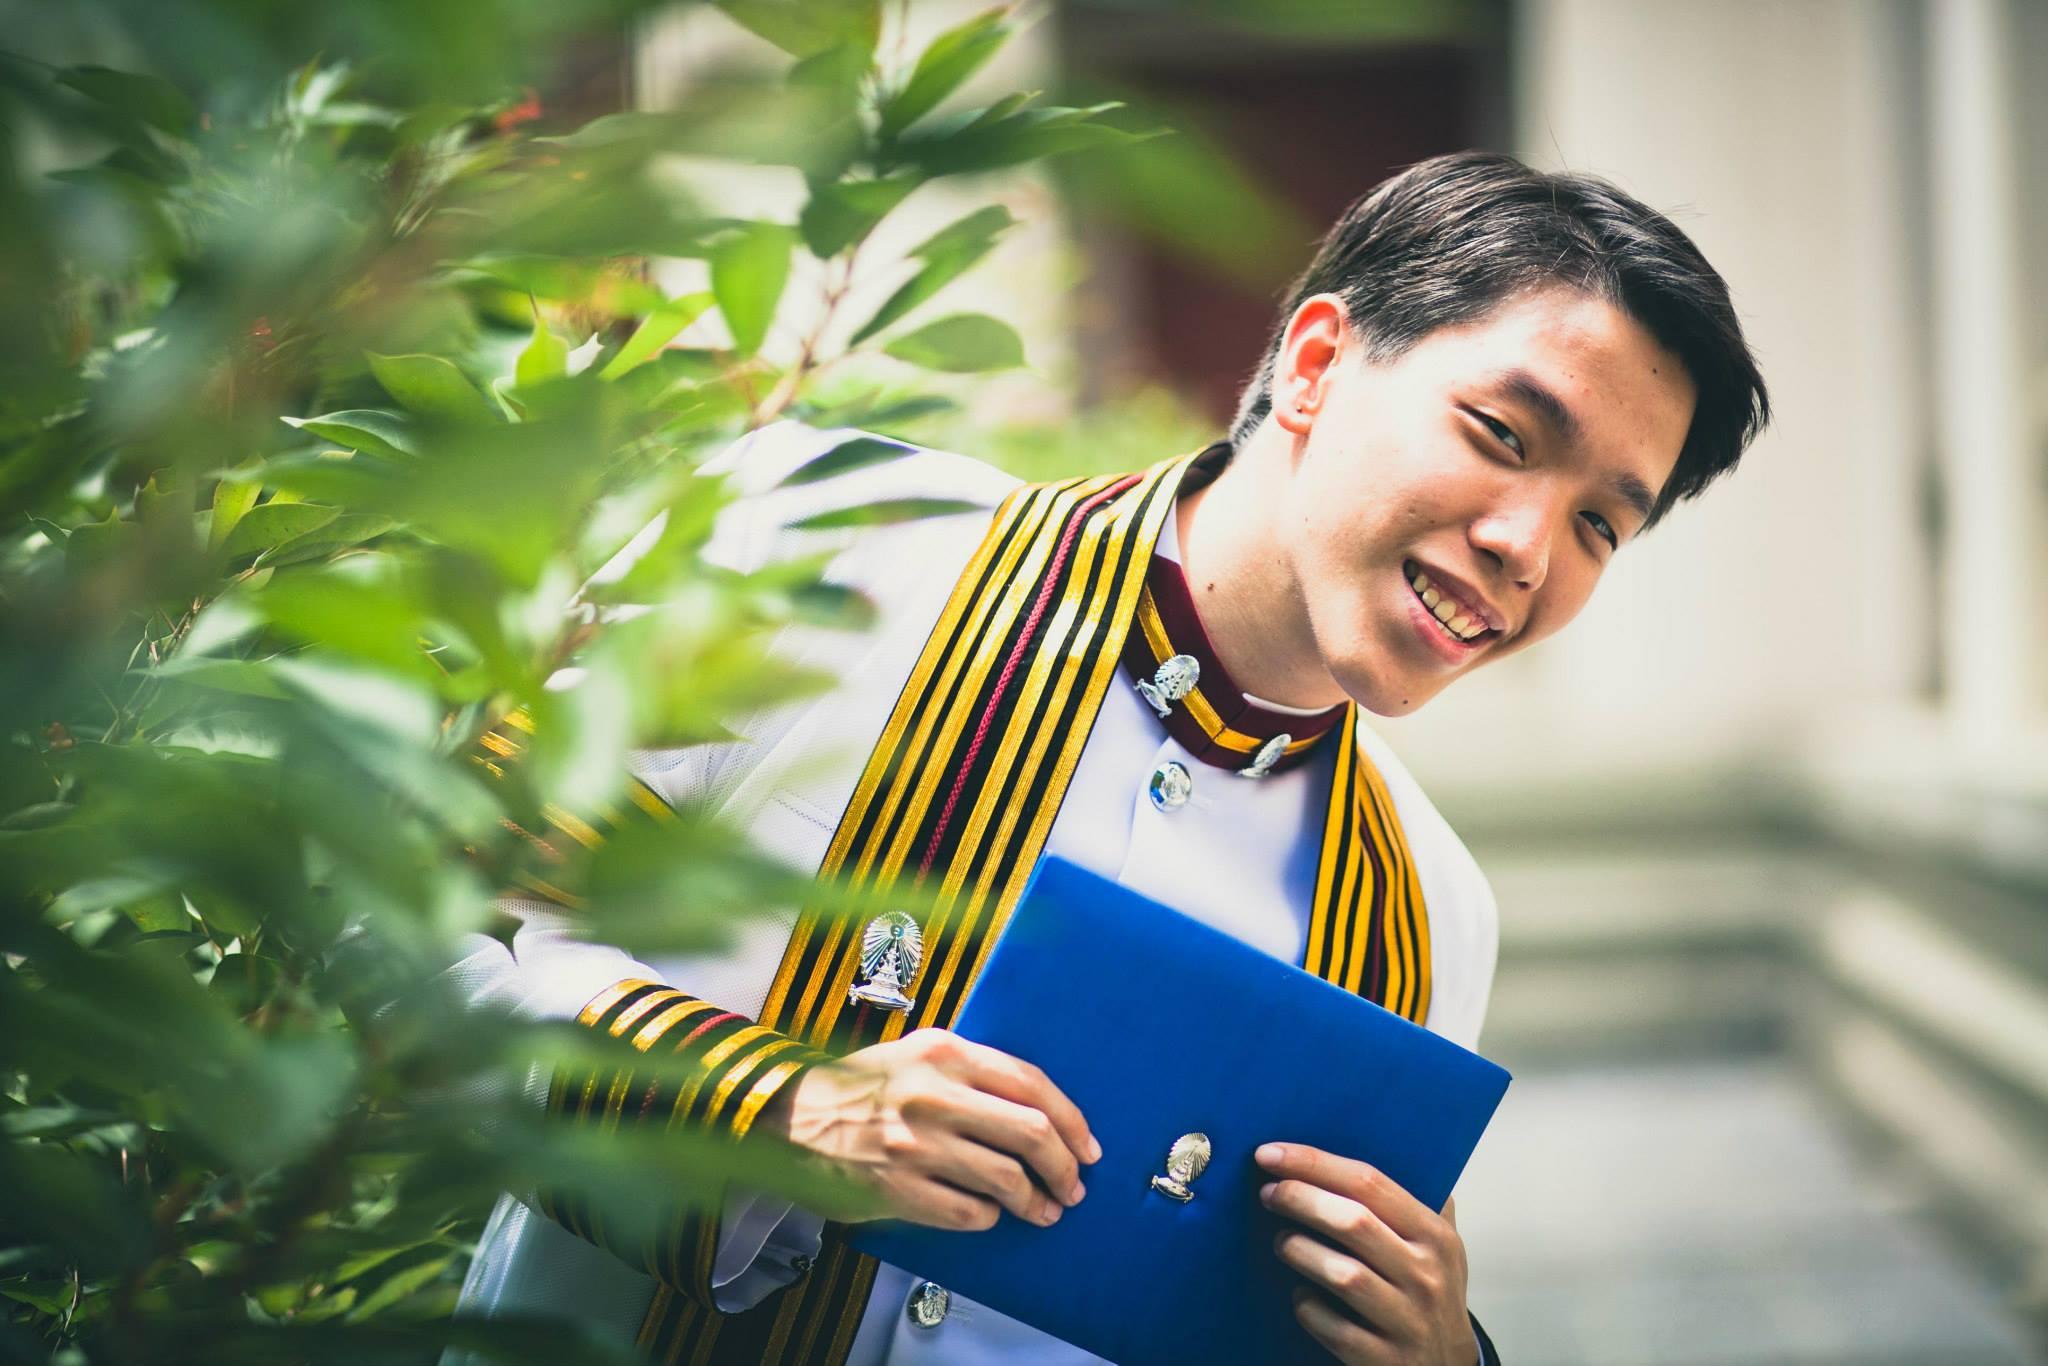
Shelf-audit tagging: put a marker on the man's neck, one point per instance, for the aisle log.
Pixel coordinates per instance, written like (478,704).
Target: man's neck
(1244,590)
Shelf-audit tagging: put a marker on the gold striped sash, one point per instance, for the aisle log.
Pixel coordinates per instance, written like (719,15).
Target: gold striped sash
(953,809)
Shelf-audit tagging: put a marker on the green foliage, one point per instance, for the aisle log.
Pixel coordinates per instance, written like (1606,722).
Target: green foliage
(329,389)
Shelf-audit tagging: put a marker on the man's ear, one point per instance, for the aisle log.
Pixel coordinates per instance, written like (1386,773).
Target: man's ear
(1310,346)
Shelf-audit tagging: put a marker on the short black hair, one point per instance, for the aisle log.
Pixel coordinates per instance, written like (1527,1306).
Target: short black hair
(1447,239)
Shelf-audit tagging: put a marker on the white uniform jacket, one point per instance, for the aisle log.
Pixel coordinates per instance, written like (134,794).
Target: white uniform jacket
(1239,855)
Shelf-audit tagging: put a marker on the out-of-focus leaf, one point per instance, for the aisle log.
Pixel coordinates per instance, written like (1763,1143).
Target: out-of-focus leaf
(964,342)
(398,1286)
(803,28)
(233,496)
(363,429)
(747,275)
(946,255)
(657,330)
(943,66)
(595,285)
(432,387)
(881,413)
(352,608)
(857,453)
(150,99)
(248,677)
(840,213)
(987,141)
(834,605)
(544,357)
(883,512)
(94,544)
(274,524)
(349,529)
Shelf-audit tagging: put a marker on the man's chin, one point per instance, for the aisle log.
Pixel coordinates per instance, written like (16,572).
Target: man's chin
(1389,693)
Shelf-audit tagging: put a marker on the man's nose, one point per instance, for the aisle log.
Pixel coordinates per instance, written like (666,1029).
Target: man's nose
(1517,539)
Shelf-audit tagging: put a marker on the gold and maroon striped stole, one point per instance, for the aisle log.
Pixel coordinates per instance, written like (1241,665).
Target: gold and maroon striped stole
(952,811)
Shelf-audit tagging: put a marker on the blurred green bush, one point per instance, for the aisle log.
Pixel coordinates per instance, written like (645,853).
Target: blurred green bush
(326,388)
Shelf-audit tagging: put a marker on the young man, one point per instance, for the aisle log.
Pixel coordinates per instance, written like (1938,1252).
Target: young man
(1486,384)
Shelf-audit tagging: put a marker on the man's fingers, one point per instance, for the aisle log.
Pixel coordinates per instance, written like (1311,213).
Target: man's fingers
(925,1200)
(1030,1135)
(1345,1222)
(1339,1336)
(1345,1278)
(1368,1185)
(1013,1079)
(976,1168)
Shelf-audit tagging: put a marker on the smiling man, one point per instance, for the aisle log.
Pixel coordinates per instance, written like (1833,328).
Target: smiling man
(1487,383)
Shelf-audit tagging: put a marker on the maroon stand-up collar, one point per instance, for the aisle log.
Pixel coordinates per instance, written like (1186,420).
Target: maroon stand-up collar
(1214,720)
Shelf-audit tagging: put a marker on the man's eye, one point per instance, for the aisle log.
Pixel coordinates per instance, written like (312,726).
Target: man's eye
(1500,430)
(1602,528)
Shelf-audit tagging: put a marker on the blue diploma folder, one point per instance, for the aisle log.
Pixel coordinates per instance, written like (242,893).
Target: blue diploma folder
(1158,1026)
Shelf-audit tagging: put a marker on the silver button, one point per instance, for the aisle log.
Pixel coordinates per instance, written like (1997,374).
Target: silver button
(928,1304)
(1170,787)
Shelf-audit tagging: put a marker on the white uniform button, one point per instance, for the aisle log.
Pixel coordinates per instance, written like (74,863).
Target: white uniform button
(928,1304)
(1170,786)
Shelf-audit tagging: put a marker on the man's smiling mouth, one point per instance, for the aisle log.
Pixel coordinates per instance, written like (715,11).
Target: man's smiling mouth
(1459,624)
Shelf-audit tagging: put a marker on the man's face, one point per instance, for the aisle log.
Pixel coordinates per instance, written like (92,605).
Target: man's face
(1499,464)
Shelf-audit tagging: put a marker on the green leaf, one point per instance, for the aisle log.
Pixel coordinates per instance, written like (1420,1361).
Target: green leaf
(838,215)
(943,67)
(963,343)
(976,233)
(747,275)
(656,331)
(884,512)
(858,453)
(947,254)
(243,677)
(398,1286)
(804,28)
(274,524)
(432,388)
(543,358)
(95,544)
(151,99)
(986,141)
(233,496)
(834,606)
(370,430)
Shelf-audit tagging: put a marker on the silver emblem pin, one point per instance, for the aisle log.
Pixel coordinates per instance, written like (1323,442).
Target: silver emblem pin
(1185,1160)
(1170,682)
(891,951)
(1268,755)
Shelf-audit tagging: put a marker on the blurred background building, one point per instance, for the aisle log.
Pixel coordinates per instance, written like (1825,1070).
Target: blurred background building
(1769,825)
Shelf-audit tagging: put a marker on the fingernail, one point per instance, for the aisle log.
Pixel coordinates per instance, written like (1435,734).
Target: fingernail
(1049,1215)
(1075,1192)
(1269,1154)
(1266,1191)
(1094,1149)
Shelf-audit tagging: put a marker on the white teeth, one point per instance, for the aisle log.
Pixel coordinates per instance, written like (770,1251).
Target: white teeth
(1444,610)
(1463,626)
(1430,598)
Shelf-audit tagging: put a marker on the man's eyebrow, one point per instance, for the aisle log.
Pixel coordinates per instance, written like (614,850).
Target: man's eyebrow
(1636,494)
(1536,394)
(1558,416)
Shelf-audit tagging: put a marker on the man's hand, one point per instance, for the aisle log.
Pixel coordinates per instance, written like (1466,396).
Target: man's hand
(1388,1272)
(945,1132)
